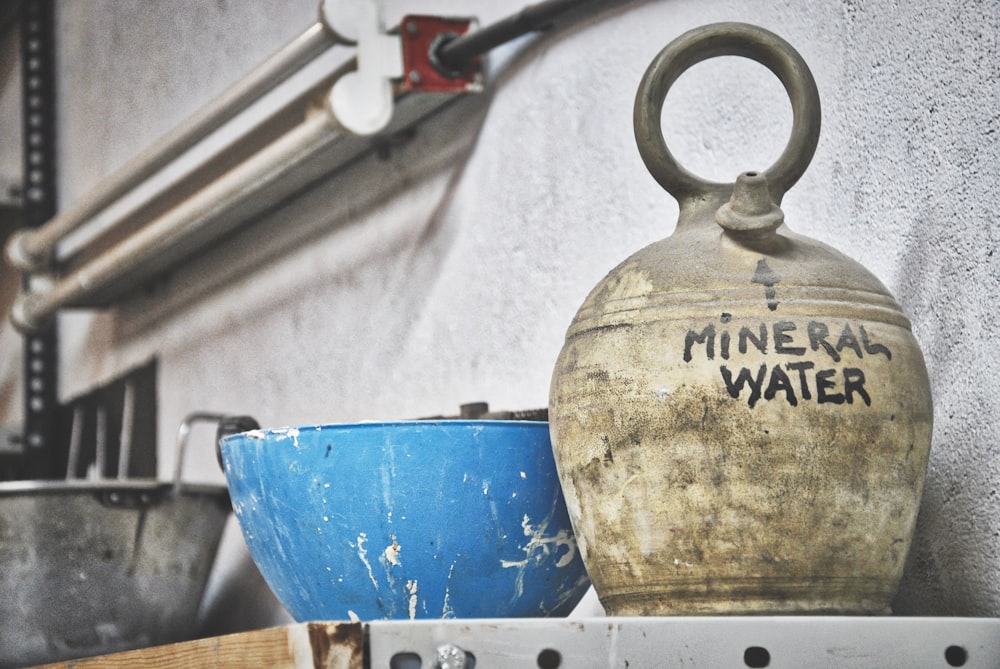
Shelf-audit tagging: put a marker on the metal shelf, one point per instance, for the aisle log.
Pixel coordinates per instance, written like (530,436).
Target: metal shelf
(804,642)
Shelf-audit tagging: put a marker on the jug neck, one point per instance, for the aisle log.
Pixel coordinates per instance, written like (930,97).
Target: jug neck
(698,209)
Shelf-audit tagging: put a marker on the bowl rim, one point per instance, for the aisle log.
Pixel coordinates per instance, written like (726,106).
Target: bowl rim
(296,430)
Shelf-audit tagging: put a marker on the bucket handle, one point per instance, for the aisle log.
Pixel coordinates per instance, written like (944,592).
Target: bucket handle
(710,41)
(227,424)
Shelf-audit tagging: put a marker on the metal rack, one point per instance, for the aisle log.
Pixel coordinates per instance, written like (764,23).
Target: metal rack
(41,406)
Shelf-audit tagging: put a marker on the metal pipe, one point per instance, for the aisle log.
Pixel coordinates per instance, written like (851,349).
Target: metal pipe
(169,230)
(32,249)
(100,445)
(311,150)
(75,438)
(128,422)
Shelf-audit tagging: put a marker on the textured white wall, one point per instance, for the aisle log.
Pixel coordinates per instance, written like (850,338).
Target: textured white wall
(449,272)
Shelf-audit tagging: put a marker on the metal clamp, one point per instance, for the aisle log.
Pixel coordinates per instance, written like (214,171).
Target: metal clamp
(726,39)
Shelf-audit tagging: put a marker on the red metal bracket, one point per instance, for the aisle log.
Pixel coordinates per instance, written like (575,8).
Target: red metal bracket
(420,35)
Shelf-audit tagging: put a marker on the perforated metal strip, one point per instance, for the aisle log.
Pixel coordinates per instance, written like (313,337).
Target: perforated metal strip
(804,642)
(41,413)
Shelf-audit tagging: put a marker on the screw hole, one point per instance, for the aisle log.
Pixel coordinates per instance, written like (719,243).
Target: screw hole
(955,656)
(756,657)
(405,661)
(549,659)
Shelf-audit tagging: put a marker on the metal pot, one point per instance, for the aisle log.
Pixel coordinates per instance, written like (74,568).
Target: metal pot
(92,567)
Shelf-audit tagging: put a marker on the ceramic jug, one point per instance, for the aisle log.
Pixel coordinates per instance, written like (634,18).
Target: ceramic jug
(740,415)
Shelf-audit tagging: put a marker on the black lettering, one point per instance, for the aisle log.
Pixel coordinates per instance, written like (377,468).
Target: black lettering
(760,342)
(706,337)
(848,340)
(854,382)
(872,349)
(782,339)
(734,388)
(724,345)
(801,368)
(780,381)
(818,333)
(823,384)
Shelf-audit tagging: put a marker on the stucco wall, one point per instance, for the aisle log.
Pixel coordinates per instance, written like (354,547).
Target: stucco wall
(449,272)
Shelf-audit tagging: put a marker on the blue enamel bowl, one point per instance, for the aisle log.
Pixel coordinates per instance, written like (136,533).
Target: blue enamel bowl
(407,520)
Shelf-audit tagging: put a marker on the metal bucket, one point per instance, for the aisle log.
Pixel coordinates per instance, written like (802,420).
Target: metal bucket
(94,567)
(91,568)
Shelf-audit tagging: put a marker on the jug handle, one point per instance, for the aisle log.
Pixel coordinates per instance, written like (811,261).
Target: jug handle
(710,41)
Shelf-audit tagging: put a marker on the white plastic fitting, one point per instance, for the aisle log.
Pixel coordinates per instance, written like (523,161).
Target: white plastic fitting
(362,100)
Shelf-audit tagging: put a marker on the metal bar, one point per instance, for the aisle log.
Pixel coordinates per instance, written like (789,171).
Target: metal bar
(38,246)
(128,422)
(100,444)
(75,440)
(41,409)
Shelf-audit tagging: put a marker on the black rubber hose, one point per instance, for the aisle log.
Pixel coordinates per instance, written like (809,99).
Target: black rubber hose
(457,53)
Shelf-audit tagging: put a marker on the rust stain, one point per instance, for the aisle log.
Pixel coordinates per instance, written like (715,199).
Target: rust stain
(334,641)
